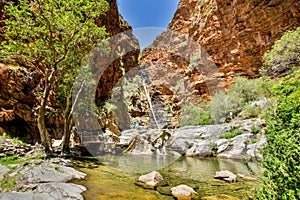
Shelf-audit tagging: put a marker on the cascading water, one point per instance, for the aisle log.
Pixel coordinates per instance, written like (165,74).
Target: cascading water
(149,101)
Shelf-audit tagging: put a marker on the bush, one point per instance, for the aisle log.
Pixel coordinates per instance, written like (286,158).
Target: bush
(240,95)
(282,152)
(284,55)
(194,115)
(255,129)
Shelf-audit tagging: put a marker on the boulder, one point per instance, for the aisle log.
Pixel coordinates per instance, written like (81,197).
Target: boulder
(150,180)
(237,148)
(183,192)
(201,148)
(226,175)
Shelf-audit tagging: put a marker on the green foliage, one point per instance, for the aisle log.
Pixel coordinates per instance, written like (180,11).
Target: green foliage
(194,115)
(253,141)
(231,134)
(250,112)
(53,37)
(8,184)
(284,55)
(282,151)
(14,159)
(255,129)
(13,139)
(239,97)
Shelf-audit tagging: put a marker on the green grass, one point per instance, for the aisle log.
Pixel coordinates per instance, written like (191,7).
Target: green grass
(14,159)
(7,185)
(253,141)
(13,139)
(255,129)
(231,134)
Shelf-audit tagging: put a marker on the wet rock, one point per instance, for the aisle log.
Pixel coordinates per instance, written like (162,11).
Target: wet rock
(150,180)
(142,147)
(164,190)
(226,175)
(183,192)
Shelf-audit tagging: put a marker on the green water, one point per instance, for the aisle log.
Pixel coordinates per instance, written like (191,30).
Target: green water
(115,177)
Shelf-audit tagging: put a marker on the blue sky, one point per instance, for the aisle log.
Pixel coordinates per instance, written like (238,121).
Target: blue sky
(142,14)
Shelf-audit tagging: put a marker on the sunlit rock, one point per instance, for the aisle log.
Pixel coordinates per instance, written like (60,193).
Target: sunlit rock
(150,180)
(183,192)
(226,175)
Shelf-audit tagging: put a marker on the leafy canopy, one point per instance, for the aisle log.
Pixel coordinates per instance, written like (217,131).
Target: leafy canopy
(55,34)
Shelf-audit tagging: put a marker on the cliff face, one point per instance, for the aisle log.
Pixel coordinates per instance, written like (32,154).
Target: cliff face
(234,33)
(18,85)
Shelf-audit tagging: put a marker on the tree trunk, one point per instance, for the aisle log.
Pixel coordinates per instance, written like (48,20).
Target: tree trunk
(68,120)
(41,121)
(67,133)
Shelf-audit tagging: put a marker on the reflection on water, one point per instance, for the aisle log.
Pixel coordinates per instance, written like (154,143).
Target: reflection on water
(115,179)
(137,163)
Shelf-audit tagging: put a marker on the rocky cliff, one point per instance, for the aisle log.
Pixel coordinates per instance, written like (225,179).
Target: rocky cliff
(18,85)
(235,34)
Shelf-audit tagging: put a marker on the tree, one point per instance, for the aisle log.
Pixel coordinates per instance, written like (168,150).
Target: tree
(53,37)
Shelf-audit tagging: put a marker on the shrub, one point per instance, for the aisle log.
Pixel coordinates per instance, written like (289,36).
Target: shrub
(284,55)
(282,152)
(193,115)
(239,96)
(231,134)
(255,129)
(250,112)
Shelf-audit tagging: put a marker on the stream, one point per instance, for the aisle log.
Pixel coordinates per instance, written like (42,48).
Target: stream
(114,177)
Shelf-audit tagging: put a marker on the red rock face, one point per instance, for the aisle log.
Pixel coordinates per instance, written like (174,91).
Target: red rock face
(234,33)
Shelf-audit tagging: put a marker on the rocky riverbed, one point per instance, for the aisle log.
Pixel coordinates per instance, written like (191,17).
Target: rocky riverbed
(26,173)
(240,139)
(40,179)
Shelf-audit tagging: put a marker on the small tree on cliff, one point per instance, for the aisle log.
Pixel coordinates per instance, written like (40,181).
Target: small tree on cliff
(53,37)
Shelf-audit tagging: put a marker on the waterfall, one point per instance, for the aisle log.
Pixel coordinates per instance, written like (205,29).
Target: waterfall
(149,101)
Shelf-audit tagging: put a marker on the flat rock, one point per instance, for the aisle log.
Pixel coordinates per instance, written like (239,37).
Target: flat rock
(48,173)
(24,196)
(183,192)
(226,175)
(61,190)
